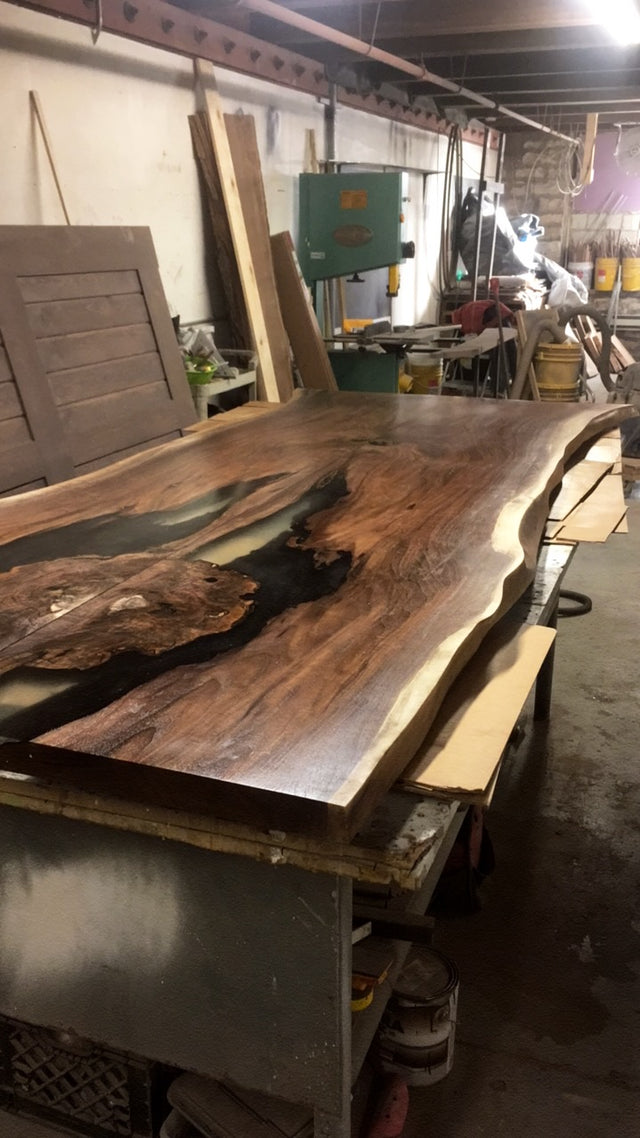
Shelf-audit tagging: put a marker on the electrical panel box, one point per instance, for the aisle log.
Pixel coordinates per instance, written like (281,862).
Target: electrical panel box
(349,223)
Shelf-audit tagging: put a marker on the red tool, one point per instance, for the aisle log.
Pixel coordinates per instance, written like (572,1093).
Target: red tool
(391,1109)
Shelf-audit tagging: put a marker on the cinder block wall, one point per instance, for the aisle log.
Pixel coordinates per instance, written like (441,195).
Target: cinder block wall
(534,163)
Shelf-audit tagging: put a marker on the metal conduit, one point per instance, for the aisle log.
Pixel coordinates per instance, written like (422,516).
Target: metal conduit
(360,47)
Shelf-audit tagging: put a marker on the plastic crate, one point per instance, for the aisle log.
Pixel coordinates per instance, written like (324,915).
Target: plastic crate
(60,1078)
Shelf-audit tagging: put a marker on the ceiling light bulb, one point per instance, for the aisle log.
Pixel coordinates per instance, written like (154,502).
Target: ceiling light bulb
(620,18)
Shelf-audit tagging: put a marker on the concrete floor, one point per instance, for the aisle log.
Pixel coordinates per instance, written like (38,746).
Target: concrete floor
(549,1022)
(549,1026)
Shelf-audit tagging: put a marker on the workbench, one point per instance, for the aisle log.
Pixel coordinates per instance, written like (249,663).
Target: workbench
(176,905)
(211,946)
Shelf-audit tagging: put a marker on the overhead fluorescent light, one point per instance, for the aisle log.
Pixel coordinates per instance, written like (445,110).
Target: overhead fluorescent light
(620,18)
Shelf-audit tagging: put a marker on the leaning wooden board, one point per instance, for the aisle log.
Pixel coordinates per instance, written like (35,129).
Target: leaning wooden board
(261,622)
(89,365)
(469,734)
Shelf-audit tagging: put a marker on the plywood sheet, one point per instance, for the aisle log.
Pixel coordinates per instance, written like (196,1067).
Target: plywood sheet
(577,483)
(89,362)
(472,728)
(622,526)
(261,622)
(596,517)
(607,449)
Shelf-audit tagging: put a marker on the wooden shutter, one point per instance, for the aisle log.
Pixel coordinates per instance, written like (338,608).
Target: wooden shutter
(90,369)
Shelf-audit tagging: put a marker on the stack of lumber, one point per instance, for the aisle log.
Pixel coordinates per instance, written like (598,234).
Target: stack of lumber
(259,294)
(232,147)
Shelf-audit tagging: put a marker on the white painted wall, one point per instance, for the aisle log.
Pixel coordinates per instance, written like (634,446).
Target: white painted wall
(117,115)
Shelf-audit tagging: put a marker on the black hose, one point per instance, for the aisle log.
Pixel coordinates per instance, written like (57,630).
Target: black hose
(581,603)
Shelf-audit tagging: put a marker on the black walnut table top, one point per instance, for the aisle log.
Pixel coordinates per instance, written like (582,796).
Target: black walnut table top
(261,622)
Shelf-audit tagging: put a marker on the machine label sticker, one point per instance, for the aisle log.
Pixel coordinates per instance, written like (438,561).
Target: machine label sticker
(354,199)
(352,236)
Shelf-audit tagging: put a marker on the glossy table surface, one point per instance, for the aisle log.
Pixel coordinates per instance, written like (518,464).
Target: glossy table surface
(261,622)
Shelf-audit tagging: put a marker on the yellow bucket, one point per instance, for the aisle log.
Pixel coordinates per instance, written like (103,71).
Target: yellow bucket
(631,274)
(426,371)
(606,269)
(557,368)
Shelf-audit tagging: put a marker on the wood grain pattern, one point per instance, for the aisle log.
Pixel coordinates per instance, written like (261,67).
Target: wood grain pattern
(236,316)
(22,461)
(308,347)
(85,326)
(385,535)
(205,76)
(243,144)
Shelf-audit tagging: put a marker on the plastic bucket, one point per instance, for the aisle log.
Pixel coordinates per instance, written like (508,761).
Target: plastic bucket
(425,369)
(606,269)
(631,274)
(557,368)
(417,1034)
(583,270)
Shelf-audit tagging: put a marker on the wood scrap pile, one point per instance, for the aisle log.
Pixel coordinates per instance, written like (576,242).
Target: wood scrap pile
(608,244)
(461,754)
(630,248)
(590,505)
(581,253)
(591,340)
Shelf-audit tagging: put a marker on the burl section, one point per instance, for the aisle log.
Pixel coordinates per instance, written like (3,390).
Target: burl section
(277,609)
(134,603)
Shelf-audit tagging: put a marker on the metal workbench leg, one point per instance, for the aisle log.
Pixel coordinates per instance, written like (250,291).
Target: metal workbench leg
(544,684)
(336,1122)
(234,969)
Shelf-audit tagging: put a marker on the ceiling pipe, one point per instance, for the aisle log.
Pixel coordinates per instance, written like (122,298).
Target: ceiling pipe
(361,47)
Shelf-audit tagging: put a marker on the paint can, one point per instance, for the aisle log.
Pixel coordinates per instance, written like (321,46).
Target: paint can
(583,270)
(606,270)
(631,274)
(557,368)
(426,371)
(417,1034)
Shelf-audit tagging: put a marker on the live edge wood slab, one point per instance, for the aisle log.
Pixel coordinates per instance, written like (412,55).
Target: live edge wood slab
(260,623)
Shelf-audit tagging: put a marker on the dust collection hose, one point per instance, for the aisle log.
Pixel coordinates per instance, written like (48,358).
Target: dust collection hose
(555,323)
(580,606)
